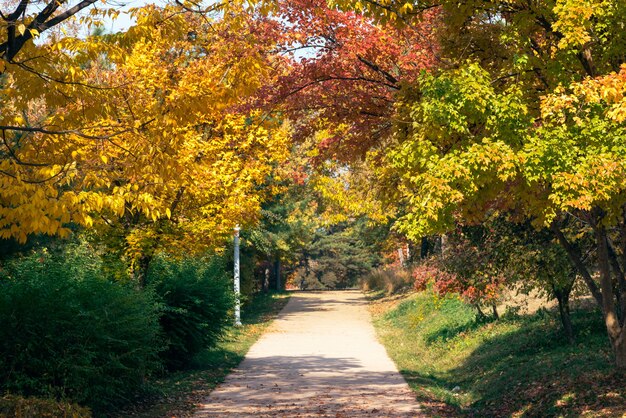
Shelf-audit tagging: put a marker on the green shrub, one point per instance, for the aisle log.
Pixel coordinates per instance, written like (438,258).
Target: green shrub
(197,299)
(17,406)
(67,333)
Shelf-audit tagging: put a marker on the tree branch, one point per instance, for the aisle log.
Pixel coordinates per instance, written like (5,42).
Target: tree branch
(575,257)
(72,131)
(13,44)
(376,68)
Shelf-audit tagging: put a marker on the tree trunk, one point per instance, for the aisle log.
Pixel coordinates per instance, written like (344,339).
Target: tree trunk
(444,244)
(279,286)
(266,280)
(424,248)
(401,256)
(140,270)
(577,260)
(620,292)
(562,296)
(622,283)
(620,353)
(494,310)
(481,314)
(617,334)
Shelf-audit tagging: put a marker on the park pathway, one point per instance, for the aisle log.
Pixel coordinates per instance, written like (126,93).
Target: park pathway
(320,358)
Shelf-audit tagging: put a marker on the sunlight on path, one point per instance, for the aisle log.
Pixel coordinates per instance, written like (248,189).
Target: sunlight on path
(320,358)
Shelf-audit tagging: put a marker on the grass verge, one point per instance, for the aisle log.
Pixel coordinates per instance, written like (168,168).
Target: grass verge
(176,394)
(518,366)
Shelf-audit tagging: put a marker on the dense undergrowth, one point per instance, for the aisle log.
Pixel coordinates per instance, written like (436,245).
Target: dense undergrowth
(72,331)
(66,332)
(520,365)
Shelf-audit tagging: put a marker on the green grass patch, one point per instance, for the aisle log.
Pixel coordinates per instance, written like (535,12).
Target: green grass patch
(517,366)
(177,393)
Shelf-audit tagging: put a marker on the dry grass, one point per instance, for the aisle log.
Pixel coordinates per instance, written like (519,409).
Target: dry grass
(389,280)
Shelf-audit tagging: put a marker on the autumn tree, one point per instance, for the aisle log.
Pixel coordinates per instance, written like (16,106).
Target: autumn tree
(345,72)
(476,136)
(473,154)
(577,157)
(151,133)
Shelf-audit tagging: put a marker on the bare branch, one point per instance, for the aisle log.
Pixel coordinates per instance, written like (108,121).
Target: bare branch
(69,131)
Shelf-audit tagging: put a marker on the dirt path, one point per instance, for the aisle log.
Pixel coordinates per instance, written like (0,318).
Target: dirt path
(320,358)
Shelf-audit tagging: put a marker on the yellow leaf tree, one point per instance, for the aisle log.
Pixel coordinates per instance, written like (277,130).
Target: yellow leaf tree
(153,131)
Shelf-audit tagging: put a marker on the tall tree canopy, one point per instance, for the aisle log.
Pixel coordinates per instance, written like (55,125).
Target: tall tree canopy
(151,123)
(430,113)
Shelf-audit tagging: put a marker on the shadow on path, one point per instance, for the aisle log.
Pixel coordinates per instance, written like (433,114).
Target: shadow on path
(321,358)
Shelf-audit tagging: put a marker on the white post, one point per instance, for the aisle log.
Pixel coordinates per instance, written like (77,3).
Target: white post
(401,256)
(237,287)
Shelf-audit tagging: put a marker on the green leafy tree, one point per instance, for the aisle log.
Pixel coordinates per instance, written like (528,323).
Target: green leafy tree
(338,256)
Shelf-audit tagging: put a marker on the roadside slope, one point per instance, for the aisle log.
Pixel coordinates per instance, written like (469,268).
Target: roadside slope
(518,366)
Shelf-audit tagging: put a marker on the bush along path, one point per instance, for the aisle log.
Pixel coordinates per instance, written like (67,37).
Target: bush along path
(320,358)
(517,366)
(177,394)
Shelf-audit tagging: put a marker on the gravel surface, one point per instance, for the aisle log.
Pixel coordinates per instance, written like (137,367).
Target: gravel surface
(320,358)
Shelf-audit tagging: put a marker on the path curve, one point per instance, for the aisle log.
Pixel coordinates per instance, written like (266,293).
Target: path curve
(320,358)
